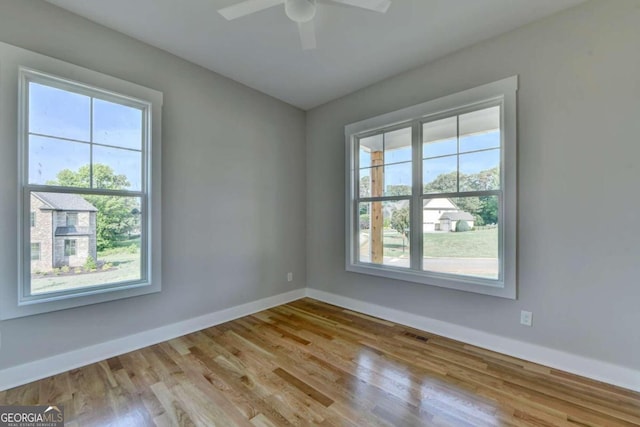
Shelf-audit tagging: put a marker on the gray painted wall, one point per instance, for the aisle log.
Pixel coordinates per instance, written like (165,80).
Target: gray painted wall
(579,127)
(233,188)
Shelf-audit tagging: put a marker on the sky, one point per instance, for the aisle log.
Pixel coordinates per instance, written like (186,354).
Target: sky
(114,135)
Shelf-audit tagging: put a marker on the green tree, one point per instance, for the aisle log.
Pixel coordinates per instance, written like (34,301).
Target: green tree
(365,186)
(400,223)
(489,209)
(115,217)
(444,183)
(398,190)
(103,177)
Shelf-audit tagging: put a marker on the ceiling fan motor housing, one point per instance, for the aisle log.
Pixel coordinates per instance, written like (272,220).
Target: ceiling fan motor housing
(300,10)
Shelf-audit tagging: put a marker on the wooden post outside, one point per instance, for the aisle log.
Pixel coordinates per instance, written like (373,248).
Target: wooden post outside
(377,217)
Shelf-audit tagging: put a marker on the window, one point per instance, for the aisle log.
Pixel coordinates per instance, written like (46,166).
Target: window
(35,251)
(432,190)
(88,146)
(72,219)
(70,248)
(86,158)
(32,218)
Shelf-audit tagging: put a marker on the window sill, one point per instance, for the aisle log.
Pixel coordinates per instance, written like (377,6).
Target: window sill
(45,304)
(468,284)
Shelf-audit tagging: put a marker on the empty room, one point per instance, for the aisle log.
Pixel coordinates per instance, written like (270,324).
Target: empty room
(319,212)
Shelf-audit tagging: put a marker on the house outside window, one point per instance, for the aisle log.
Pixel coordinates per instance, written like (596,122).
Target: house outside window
(89,168)
(86,157)
(35,251)
(431,192)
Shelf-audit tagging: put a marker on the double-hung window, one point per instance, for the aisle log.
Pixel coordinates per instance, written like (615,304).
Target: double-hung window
(89,166)
(431,192)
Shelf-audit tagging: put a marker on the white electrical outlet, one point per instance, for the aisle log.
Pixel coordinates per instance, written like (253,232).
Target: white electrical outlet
(289,277)
(526,318)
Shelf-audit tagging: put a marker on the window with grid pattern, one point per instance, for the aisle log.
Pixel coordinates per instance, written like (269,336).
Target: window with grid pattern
(431,192)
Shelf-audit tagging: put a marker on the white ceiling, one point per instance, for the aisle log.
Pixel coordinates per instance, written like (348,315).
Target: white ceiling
(355,47)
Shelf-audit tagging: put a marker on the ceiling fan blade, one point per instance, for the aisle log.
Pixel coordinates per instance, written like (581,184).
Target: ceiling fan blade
(374,5)
(307,35)
(247,7)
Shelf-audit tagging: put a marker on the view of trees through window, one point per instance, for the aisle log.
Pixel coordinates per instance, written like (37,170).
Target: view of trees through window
(86,157)
(460,195)
(101,245)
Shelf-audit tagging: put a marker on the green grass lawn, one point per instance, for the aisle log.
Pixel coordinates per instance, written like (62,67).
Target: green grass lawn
(394,246)
(471,253)
(470,244)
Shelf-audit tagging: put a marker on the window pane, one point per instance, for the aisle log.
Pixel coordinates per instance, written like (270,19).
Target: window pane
(480,129)
(397,179)
(397,146)
(60,113)
(392,180)
(372,143)
(48,157)
(440,137)
(126,165)
(365,158)
(383,233)
(369,145)
(440,175)
(480,141)
(102,248)
(117,124)
(480,171)
(461,236)
(365,183)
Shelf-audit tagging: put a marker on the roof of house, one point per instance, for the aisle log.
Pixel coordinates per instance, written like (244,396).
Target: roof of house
(439,203)
(65,202)
(457,216)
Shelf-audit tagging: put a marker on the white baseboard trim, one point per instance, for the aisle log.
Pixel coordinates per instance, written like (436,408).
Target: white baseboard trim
(43,368)
(568,362)
(590,368)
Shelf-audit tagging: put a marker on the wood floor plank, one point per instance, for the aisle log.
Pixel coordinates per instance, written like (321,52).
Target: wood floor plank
(311,363)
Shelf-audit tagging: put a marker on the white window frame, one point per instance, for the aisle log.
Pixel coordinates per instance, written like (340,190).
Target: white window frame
(17,67)
(503,93)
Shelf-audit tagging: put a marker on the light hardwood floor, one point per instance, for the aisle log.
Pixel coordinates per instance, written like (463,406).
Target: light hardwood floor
(310,363)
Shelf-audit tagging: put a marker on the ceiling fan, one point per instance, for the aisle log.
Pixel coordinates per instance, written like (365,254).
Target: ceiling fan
(300,12)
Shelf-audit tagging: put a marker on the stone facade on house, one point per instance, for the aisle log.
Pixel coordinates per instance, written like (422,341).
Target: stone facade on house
(63,231)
